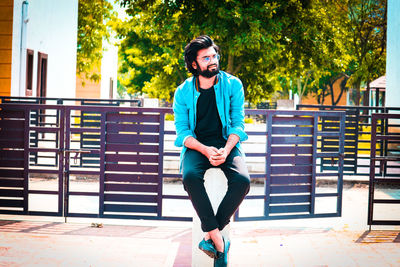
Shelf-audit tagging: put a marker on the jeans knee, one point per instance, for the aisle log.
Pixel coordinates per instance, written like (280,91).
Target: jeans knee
(191,178)
(243,182)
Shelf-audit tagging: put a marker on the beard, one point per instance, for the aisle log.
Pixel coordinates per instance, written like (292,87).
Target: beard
(209,73)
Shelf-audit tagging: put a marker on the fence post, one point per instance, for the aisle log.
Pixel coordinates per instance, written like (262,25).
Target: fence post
(216,186)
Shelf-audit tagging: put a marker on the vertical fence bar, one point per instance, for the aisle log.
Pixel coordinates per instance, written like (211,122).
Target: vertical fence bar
(61,146)
(26,159)
(314,163)
(267,183)
(102,162)
(66,160)
(160,165)
(342,133)
(372,172)
(357,143)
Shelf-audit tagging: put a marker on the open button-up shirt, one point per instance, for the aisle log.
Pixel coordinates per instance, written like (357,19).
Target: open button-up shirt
(229,96)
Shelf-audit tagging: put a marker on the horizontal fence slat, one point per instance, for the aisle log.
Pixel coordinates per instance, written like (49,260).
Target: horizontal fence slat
(11,203)
(6,134)
(291,169)
(292,140)
(286,150)
(131,168)
(12,144)
(144,128)
(8,113)
(45,129)
(11,154)
(292,130)
(131,158)
(121,117)
(12,163)
(132,148)
(145,178)
(131,187)
(291,160)
(292,120)
(130,198)
(289,209)
(132,138)
(85,130)
(388,137)
(297,179)
(289,189)
(11,173)
(11,182)
(329,134)
(11,193)
(15,125)
(129,208)
(290,199)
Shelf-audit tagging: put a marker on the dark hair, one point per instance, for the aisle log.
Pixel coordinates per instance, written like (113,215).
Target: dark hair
(191,49)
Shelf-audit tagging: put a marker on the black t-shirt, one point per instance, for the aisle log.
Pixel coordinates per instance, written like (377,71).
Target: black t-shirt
(208,123)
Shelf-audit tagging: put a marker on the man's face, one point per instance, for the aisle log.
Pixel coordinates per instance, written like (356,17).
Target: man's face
(207,62)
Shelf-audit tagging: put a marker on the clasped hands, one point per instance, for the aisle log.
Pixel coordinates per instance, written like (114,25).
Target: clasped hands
(216,156)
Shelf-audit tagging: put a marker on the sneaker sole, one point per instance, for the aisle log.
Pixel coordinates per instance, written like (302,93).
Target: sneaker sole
(209,253)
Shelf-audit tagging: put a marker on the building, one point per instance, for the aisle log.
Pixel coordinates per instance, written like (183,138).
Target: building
(342,98)
(38,43)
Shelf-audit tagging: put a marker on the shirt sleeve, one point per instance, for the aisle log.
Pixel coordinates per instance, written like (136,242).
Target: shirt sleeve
(236,111)
(181,114)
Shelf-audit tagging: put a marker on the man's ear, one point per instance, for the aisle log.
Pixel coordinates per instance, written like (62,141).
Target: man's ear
(194,65)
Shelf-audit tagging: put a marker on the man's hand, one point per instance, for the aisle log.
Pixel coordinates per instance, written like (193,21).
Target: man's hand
(209,152)
(219,157)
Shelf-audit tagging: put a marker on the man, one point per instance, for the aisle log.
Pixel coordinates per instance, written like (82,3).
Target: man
(209,121)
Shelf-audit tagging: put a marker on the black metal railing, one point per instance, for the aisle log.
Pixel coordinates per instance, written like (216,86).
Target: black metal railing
(357,136)
(384,169)
(129,153)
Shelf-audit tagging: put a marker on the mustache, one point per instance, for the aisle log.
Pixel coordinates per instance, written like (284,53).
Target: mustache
(213,65)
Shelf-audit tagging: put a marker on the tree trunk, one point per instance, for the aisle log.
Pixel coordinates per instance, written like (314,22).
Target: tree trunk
(366,96)
(229,68)
(299,90)
(332,94)
(302,89)
(358,94)
(342,89)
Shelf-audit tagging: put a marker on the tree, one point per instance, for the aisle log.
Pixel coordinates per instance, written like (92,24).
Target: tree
(367,41)
(246,31)
(94,17)
(314,48)
(270,45)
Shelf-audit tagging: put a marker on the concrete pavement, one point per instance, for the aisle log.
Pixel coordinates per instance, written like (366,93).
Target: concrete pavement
(343,241)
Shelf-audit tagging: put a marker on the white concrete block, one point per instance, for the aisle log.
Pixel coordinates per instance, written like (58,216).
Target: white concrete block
(216,186)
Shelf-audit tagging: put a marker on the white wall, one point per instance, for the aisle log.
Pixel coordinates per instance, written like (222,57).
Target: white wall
(52,29)
(16,43)
(109,68)
(393,55)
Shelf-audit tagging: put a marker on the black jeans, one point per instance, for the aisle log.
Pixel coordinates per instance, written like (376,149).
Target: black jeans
(195,165)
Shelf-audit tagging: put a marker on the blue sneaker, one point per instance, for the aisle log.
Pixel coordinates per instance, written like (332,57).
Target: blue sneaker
(207,246)
(222,257)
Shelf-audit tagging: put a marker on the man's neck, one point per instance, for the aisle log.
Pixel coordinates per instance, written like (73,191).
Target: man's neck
(206,83)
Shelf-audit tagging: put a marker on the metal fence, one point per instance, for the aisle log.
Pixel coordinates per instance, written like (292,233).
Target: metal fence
(357,136)
(384,169)
(125,153)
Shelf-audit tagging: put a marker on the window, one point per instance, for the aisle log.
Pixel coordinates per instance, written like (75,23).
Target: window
(29,72)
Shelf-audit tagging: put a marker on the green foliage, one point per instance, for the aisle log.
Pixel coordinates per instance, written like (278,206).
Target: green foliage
(248,120)
(169,117)
(275,45)
(367,33)
(94,17)
(152,52)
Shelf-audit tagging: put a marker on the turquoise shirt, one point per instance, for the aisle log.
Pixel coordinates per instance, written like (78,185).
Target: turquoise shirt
(230,104)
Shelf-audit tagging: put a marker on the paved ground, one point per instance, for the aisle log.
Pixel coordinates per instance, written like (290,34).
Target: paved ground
(343,241)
